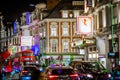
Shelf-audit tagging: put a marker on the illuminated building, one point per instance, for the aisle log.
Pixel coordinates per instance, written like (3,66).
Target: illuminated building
(101,12)
(59,31)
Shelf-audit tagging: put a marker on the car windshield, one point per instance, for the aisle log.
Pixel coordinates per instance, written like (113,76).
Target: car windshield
(62,71)
(94,66)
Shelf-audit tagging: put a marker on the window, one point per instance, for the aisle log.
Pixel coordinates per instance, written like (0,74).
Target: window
(76,13)
(2,34)
(65,46)
(92,49)
(74,27)
(44,32)
(65,31)
(65,14)
(54,44)
(53,31)
(8,32)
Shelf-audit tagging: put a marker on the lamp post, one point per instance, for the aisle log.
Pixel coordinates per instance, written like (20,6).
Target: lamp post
(112,34)
(112,24)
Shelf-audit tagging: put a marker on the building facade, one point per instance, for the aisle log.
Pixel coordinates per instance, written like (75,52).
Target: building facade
(106,29)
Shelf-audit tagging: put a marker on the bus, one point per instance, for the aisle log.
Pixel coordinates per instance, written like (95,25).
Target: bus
(27,57)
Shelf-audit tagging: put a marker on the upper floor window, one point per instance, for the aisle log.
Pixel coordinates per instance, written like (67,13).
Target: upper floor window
(54,30)
(76,13)
(65,29)
(44,32)
(65,14)
(74,27)
(2,35)
(65,45)
(54,45)
(11,31)
(76,3)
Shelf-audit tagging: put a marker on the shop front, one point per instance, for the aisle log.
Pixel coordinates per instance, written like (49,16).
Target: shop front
(61,58)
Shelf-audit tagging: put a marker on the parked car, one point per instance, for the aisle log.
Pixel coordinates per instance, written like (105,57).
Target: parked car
(88,70)
(116,73)
(27,71)
(60,73)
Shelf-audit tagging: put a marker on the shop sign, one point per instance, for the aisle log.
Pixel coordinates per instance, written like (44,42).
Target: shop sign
(111,54)
(26,40)
(84,25)
(90,41)
(79,42)
(12,49)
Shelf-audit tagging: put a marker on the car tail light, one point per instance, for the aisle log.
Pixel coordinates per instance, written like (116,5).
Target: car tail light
(53,76)
(24,71)
(74,75)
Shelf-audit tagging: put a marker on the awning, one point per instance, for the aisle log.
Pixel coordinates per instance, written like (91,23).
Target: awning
(4,55)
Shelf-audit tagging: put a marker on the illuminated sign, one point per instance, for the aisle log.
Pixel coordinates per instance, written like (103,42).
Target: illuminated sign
(84,25)
(89,41)
(35,49)
(12,49)
(26,40)
(79,42)
(15,27)
(111,54)
(27,18)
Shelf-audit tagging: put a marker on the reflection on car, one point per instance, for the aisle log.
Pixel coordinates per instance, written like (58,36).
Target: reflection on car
(88,70)
(61,73)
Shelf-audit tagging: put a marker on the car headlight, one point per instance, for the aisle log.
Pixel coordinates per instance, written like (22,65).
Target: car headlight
(89,75)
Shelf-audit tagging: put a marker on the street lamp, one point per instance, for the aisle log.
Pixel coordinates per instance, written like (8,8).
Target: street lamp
(113,59)
(112,24)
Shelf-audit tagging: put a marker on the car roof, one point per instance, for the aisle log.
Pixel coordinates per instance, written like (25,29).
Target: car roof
(84,61)
(59,67)
(75,62)
(30,66)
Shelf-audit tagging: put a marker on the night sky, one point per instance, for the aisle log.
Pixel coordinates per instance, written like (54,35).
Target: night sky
(12,9)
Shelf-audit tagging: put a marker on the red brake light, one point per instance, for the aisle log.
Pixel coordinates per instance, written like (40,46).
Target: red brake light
(74,75)
(53,76)
(24,71)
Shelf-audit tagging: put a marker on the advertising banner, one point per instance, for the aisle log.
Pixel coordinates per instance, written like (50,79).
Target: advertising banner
(84,25)
(26,40)
(12,49)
